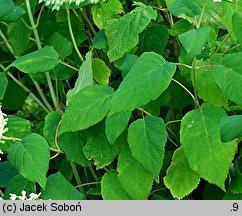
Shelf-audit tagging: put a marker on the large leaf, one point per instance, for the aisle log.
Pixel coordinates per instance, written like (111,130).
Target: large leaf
(194,40)
(200,138)
(9,12)
(104,11)
(180,178)
(133,177)
(123,34)
(231,128)
(111,188)
(147,80)
(3,85)
(147,139)
(39,61)
(72,144)
(58,188)
(115,125)
(181,8)
(228,76)
(85,77)
(87,107)
(30,158)
(237,25)
(98,148)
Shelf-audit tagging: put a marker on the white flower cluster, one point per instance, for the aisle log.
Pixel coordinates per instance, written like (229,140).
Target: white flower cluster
(3,123)
(32,196)
(1,152)
(217,0)
(58,3)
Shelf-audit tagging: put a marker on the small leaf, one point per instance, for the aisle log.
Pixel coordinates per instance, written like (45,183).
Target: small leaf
(101,72)
(115,125)
(200,138)
(181,8)
(104,11)
(30,158)
(52,120)
(180,178)
(39,61)
(85,77)
(194,40)
(147,139)
(98,148)
(149,77)
(58,188)
(123,34)
(231,128)
(111,188)
(87,108)
(72,144)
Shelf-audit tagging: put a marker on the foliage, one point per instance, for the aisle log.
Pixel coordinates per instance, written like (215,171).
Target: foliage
(121,100)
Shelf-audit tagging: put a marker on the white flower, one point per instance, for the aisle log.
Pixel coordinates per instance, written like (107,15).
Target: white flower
(34,196)
(23,197)
(1,152)
(13,196)
(217,0)
(1,198)
(57,3)
(3,123)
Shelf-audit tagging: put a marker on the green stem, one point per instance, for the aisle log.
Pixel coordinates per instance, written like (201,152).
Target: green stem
(56,150)
(84,15)
(93,173)
(87,184)
(194,75)
(37,38)
(174,121)
(202,14)
(77,177)
(31,94)
(6,42)
(10,139)
(142,110)
(71,32)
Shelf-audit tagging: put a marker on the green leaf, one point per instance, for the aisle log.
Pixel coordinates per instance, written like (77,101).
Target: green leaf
(52,120)
(7,172)
(101,71)
(205,81)
(200,138)
(17,184)
(111,188)
(180,178)
(85,77)
(237,25)
(72,144)
(154,38)
(100,40)
(39,61)
(187,8)
(123,34)
(17,127)
(236,180)
(3,85)
(30,158)
(58,188)
(98,148)
(86,108)
(9,12)
(56,40)
(18,35)
(228,76)
(105,11)
(133,177)
(180,27)
(128,63)
(231,128)
(149,77)
(194,40)
(115,125)
(147,139)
